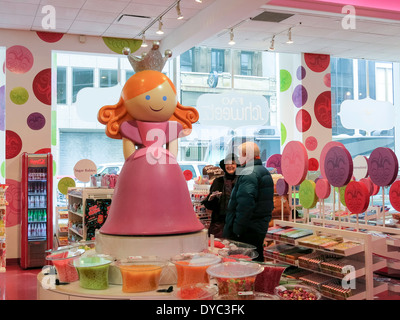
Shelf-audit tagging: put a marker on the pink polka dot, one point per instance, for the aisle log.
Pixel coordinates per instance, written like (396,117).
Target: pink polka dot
(19,59)
(311,143)
(13,196)
(327,80)
(13,144)
(42,86)
(303,120)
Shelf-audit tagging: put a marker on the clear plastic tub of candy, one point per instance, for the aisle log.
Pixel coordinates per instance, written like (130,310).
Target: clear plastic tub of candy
(93,271)
(198,291)
(235,278)
(191,267)
(296,292)
(252,296)
(62,258)
(141,273)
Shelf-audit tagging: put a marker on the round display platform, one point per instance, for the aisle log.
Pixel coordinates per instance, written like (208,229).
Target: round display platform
(166,246)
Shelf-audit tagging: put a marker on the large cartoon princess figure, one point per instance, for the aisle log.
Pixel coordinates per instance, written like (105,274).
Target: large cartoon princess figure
(151,196)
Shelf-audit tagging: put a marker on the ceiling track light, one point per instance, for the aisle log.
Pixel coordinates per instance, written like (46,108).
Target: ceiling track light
(199,1)
(144,44)
(272,46)
(289,36)
(178,10)
(231,40)
(160,24)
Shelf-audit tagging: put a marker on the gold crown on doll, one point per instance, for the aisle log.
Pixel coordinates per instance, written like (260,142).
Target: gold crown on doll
(152,60)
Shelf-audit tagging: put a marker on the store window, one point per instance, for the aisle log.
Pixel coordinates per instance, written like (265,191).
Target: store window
(218,60)
(361,80)
(246,63)
(129,74)
(187,60)
(61,85)
(81,78)
(108,78)
(2,116)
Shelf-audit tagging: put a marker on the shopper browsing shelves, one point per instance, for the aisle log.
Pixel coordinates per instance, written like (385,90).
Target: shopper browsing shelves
(220,191)
(251,203)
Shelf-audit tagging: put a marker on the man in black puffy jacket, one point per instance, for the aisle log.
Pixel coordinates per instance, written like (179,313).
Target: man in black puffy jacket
(251,203)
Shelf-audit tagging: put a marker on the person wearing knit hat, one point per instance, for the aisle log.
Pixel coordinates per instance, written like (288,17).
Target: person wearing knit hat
(220,191)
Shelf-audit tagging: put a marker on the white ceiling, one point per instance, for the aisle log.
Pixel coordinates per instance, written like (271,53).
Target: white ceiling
(208,23)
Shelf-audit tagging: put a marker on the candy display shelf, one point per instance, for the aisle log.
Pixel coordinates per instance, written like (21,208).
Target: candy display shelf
(362,253)
(77,199)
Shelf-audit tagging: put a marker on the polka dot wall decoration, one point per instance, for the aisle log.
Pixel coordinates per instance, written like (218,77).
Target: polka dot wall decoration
(299,96)
(44,150)
(311,143)
(13,216)
(42,86)
(317,62)
(323,110)
(303,120)
(13,144)
(36,121)
(285,80)
(49,37)
(19,95)
(19,59)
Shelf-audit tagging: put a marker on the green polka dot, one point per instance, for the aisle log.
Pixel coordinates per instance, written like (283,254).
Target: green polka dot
(286,79)
(283,134)
(53,128)
(54,168)
(118,44)
(19,95)
(65,183)
(307,196)
(3,169)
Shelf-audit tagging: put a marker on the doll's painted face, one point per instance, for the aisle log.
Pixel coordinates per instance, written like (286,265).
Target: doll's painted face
(155,105)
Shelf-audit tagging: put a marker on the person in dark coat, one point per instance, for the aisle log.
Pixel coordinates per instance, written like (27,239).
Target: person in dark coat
(251,203)
(220,191)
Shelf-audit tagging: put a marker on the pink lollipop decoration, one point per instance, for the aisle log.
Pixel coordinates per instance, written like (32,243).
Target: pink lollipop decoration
(324,152)
(274,161)
(383,166)
(282,187)
(322,188)
(394,195)
(294,163)
(368,183)
(356,197)
(338,166)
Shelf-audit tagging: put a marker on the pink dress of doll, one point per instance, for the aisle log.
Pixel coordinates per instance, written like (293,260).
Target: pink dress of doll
(151,195)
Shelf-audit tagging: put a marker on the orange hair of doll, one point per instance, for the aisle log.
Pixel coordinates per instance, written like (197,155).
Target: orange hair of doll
(113,115)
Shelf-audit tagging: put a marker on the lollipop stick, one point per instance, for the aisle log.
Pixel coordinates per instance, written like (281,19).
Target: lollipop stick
(357,223)
(383,207)
(340,215)
(282,208)
(323,213)
(334,200)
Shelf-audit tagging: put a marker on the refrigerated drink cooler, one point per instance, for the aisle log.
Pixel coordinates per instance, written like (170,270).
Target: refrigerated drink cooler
(36,209)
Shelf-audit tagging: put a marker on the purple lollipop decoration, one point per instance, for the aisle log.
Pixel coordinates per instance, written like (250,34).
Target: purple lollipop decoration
(338,166)
(383,166)
(282,187)
(274,161)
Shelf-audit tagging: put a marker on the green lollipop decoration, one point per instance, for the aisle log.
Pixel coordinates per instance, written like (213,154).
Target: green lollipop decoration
(307,196)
